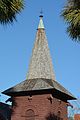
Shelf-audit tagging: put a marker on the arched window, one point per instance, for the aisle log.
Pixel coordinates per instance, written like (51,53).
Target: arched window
(30,115)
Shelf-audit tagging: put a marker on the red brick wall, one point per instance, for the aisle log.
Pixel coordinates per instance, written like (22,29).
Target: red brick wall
(77,117)
(41,106)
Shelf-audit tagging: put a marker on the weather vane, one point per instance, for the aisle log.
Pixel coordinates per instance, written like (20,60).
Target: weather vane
(41,13)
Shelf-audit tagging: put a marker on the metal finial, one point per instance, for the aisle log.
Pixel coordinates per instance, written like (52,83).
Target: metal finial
(41,13)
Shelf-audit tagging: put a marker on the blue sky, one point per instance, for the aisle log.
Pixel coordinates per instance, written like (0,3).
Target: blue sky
(16,43)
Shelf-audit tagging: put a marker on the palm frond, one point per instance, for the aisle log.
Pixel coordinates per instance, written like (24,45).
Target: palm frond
(9,9)
(71,14)
(74,32)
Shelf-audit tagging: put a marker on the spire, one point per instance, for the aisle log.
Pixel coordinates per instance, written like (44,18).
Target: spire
(40,77)
(41,63)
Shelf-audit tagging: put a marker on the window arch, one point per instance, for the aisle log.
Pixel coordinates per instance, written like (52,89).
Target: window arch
(30,115)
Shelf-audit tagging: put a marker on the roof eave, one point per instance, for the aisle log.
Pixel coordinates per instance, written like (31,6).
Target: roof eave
(56,93)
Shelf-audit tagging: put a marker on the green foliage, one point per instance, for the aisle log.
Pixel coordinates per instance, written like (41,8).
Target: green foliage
(9,9)
(71,14)
(70,118)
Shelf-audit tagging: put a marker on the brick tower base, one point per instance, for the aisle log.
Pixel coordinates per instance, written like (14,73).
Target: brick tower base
(38,107)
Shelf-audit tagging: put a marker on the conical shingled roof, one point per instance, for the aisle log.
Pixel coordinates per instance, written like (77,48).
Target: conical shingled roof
(41,63)
(40,76)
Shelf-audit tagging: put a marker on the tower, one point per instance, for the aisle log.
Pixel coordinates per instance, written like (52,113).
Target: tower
(40,96)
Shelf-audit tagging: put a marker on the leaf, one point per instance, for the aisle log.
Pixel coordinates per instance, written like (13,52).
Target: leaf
(9,9)
(71,14)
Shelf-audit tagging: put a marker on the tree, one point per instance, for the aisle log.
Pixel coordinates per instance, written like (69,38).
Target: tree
(71,14)
(9,9)
(70,118)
